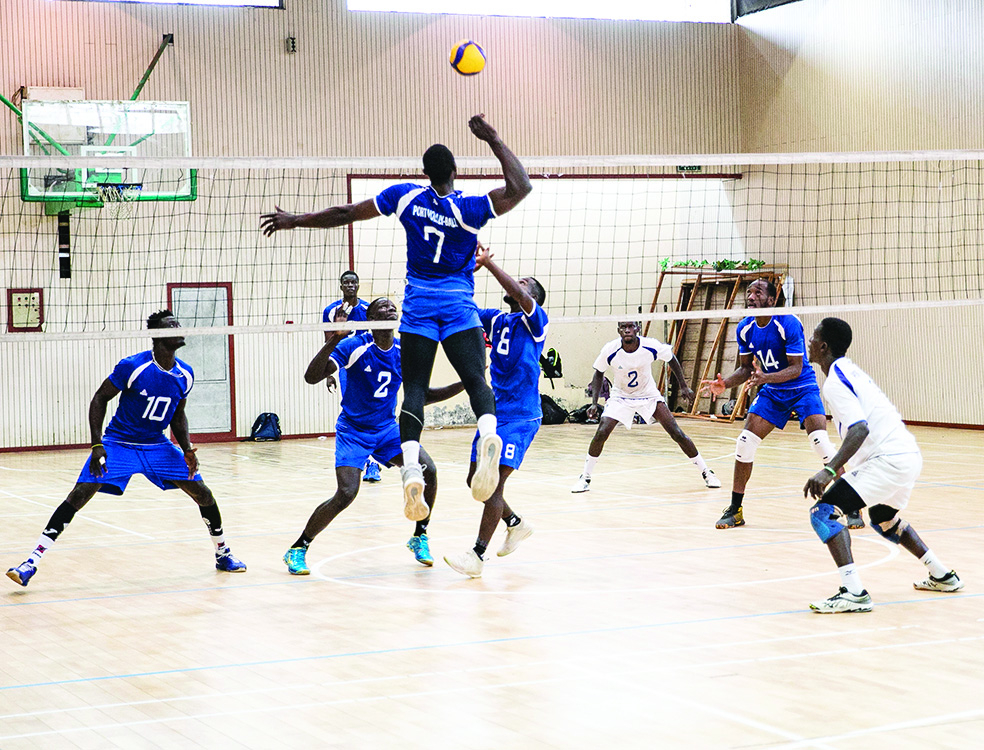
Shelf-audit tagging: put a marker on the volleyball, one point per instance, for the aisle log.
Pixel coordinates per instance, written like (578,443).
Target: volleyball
(467,58)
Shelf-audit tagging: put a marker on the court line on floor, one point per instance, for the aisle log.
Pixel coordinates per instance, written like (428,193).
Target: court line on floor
(467,644)
(926,721)
(86,517)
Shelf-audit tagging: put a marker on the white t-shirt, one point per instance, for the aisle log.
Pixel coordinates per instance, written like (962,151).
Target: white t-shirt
(633,371)
(853,397)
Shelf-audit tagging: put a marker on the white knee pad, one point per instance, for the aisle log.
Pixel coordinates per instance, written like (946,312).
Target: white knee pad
(822,445)
(745,447)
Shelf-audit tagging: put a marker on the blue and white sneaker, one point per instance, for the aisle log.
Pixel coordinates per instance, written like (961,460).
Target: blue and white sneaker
(372,472)
(420,547)
(22,574)
(229,563)
(296,562)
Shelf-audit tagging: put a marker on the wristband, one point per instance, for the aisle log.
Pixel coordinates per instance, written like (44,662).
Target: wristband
(191,450)
(96,445)
(832,472)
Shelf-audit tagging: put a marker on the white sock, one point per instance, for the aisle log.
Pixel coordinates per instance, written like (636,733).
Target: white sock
(932,562)
(411,452)
(219,542)
(822,445)
(43,545)
(486,425)
(589,464)
(851,579)
(698,461)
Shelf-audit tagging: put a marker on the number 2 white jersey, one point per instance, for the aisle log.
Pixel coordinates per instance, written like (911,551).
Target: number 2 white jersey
(853,397)
(632,372)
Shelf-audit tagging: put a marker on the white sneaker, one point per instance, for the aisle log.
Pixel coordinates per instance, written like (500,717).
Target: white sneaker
(843,601)
(486,477)
(467,563)
(710,479)
(581,485)
(414,506)
(949,582)
(514,535)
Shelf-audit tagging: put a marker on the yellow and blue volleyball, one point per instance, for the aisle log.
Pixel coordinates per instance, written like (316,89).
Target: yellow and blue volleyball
(467,58)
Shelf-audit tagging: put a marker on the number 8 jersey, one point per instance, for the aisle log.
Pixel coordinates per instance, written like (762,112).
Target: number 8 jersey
(149,397)
(772,344)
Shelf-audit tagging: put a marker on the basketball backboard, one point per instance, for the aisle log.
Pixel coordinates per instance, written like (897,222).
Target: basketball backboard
(111,130)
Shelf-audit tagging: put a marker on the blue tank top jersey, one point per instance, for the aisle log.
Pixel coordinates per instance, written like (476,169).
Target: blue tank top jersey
(441,233)
(372,379)
(148,399)
(517,342)
(771,345)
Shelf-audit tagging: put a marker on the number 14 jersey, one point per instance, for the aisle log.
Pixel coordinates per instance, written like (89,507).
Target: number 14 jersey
(771,345)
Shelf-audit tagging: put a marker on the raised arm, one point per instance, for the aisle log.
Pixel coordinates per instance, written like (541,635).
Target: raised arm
(336,216)
(483,259)
(323,366)
(518,185)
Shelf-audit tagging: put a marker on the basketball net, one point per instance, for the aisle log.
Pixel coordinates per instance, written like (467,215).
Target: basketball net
(119,199)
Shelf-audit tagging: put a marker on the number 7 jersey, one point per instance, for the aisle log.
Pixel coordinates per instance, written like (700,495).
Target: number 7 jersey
(149,397)
(442,232)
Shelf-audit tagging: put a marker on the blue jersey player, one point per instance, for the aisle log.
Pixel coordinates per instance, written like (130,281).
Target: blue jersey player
(441,227)
(517,341)
(367,427)
(154,387)
(349,307)
(772,355)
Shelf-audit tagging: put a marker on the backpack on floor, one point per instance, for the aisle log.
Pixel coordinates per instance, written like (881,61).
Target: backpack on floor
(553,413)
(551,365)
(265,428)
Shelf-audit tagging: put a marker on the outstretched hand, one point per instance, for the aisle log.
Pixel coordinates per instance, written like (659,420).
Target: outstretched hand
(481,129)
(713,388)
(276,221)
(482,256)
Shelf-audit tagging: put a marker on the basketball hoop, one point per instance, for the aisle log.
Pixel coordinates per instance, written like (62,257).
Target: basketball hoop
(119,198)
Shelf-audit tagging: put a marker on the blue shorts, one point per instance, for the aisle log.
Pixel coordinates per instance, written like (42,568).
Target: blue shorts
(161,463)
(353,445)
(438,314)
(516,439)
(776,407)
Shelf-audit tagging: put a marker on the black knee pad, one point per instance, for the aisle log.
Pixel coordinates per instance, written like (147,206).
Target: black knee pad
(844,496)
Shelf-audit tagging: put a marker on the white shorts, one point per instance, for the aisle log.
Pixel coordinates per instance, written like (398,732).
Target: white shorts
(624,409)
(886,480)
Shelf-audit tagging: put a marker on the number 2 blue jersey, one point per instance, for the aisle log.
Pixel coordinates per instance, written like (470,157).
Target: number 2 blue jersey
(372,379)
(517,342)
(771,345)
(441,233)
(148,399)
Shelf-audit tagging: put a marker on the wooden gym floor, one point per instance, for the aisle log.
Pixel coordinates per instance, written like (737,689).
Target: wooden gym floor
(625,621)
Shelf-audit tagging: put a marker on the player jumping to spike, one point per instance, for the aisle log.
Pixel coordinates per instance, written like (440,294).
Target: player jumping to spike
(154,387)
(882,462)
(630,358)
(773,356)
(441,227)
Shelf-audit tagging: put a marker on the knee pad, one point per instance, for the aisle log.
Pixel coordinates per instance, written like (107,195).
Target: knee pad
(886,522)
(745,446)
(822,445)
(823,518)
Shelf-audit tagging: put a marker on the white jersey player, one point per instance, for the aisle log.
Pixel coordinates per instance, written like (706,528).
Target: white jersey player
(630,359)
(882,462)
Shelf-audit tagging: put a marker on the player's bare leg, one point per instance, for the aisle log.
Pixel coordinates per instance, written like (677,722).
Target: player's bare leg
(605,428)
(668,422)
(755,430)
